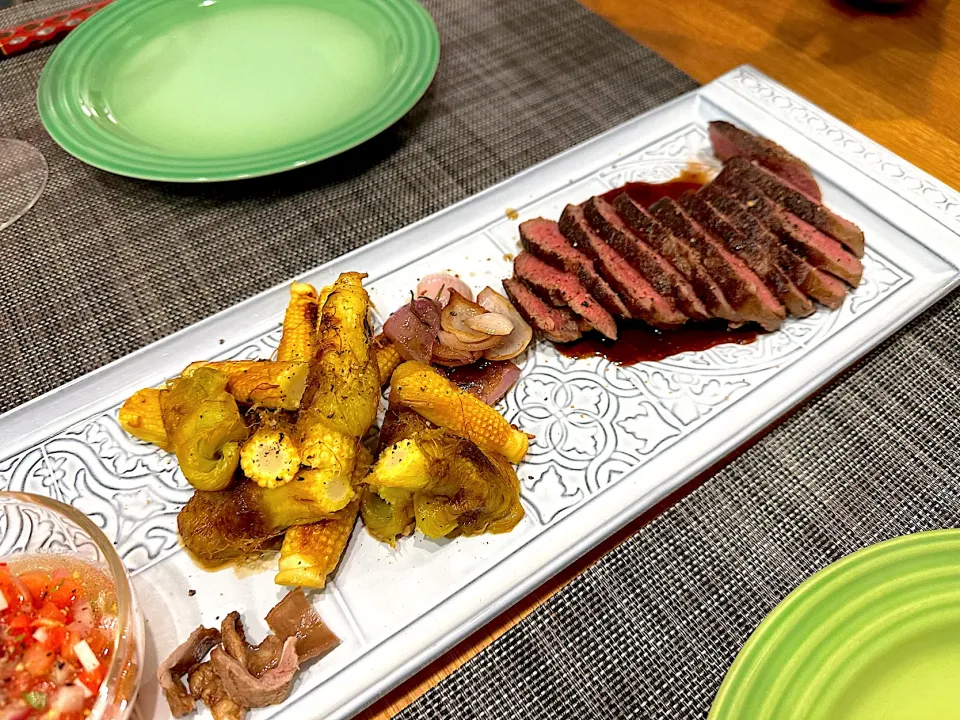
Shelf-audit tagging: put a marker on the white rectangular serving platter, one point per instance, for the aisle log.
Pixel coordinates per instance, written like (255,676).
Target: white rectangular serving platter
(611,441)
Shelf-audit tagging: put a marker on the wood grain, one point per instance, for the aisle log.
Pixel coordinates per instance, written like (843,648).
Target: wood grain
(895,77)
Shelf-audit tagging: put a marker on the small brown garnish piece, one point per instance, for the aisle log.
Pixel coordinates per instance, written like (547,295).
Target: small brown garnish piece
(294,616)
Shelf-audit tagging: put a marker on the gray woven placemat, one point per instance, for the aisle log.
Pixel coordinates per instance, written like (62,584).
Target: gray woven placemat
(103,265)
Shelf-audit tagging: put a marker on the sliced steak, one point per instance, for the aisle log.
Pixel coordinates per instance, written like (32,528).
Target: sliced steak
(724,237)
(555,324)
(729,141)
(545,279)
(759,249)
(663,276)
(636,292)
(798,204)
(738,283)
(680,255)
(544,239)
(820,250)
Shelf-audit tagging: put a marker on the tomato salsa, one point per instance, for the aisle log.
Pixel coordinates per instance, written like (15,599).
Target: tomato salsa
(57,627)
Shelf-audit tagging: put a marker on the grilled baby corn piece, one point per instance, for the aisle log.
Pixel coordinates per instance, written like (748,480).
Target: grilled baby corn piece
(343,390)
(274,385)
(418,386)
(270,457)
(299,340)
(311,552)
(140,416)
(388,358)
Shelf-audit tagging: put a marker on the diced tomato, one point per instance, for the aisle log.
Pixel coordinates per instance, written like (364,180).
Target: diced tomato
(38,583)
(10,593)
(56,637)
(65,592)
(49,611)
(19,623)
(37,660)
(93,678)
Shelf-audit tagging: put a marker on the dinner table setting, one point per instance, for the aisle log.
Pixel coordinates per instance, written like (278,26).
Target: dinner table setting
(485,358)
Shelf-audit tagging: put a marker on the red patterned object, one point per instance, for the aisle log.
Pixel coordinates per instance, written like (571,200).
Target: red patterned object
(40,32)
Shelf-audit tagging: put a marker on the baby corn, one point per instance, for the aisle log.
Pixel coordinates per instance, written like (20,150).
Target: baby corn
(327,492)
(140,416)
(299,340)
(388,358)
(274,385)
(270,456)
(402,465)
(311,552)
(419,387)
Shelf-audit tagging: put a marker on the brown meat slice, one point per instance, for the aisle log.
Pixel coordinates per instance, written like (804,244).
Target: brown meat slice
(823,288)
(206,685)
(555,324)
(547,280)
(663,276)
(543,238)
(256,658)
(188,654)
(724,237)
(820,250)
(758,248)
(294,616)
(729,141)
(637,294)
(271,688)
(798,204)
(680,255)
(738,283)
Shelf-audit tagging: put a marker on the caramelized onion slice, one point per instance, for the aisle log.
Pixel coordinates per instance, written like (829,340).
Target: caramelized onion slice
(491,324)
(454,318)
(455,343)
(518,340)
(438,286)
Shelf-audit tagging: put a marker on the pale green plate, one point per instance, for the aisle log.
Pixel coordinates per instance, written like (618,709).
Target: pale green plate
(875,636)
(200,90)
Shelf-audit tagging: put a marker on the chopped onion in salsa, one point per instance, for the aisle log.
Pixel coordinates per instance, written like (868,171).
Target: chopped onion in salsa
(57,628)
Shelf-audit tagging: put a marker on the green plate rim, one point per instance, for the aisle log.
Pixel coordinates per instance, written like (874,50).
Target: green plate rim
(70,128)
(775,626)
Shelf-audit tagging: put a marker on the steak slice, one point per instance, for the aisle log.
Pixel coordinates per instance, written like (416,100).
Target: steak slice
(637,294)
(556,324)
(759,249)
(664,277)
(740,285)
(729,141)
(798,204)
(546,279)
(544,239)
(821,286)
(680,255)
(821,251)
(725,237)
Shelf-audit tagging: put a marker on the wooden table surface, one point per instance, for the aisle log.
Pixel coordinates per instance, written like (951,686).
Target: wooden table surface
(895,77)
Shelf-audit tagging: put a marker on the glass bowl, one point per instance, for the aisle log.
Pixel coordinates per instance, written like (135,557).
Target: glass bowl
(33,526)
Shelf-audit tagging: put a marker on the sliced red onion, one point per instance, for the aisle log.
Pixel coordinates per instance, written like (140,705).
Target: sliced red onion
(414,329)
(438,286)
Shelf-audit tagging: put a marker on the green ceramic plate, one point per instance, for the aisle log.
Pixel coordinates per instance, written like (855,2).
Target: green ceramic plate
(875,636)
(200,90)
